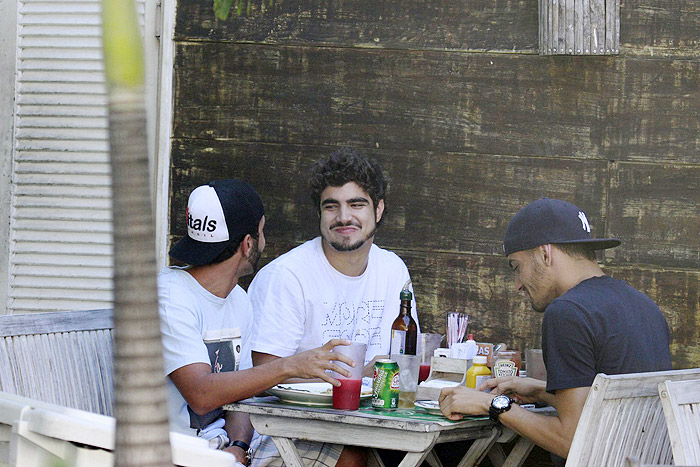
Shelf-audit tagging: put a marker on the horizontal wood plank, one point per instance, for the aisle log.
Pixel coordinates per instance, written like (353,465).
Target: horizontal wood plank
(436,201)
(648,28)
(483,286)
(595,108)
(55,322)
(655,210)
(505,25)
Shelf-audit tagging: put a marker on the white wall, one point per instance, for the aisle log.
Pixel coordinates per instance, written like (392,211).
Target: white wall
(8,41)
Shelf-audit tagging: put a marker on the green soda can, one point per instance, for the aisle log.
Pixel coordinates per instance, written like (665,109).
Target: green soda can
(385,387)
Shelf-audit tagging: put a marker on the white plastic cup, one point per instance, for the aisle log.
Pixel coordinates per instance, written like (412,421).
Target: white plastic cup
(347,395)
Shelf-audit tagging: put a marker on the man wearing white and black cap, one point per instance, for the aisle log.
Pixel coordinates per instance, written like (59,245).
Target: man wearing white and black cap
(592,324)
(206,319)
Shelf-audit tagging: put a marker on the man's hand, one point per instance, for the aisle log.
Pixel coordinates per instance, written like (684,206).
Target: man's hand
(314,363)
(522,390)
(455,402)
(368,370)
(238,453)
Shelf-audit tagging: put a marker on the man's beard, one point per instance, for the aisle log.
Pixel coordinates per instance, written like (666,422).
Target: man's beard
(338,246)
(538,283)
(255,255)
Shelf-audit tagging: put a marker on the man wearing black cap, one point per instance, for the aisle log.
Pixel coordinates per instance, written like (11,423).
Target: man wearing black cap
(206,319)
(592,324)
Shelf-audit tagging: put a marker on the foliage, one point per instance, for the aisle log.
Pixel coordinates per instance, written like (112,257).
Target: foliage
(223,7)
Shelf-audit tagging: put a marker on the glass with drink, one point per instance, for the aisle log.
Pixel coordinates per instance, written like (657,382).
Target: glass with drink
(427,343)
(347,395)
(409,366)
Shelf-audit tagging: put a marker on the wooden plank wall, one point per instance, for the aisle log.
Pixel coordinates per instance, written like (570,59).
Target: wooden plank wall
(471,125)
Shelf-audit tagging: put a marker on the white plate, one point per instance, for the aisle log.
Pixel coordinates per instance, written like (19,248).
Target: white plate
(432,407)
(311,394)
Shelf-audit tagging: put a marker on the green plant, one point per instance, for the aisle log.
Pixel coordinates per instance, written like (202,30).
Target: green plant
(223,7)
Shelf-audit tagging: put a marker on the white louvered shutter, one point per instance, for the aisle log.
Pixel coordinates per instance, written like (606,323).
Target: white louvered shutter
(61,232)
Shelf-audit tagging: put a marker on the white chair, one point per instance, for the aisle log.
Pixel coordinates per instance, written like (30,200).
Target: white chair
(622,418)
(681,403)
(43,434)
(9,414)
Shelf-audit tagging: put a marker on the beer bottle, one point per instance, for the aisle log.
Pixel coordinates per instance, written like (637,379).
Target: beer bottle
(404,331)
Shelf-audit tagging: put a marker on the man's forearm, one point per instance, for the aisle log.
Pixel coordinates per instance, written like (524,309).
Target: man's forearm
(238,426)
(544,431)
(204,391)
(262,358)
(554,434)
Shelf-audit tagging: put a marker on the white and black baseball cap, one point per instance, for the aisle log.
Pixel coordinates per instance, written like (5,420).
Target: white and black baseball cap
(218,213)
(551,221)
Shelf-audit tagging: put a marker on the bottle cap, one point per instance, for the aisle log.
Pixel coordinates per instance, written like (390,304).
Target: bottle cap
(405,295)
(480,359)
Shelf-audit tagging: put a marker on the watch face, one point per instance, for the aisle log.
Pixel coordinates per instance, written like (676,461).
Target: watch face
(500,402)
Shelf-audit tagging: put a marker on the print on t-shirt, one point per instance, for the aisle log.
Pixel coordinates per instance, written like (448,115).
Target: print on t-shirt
(359,323)
(224,347)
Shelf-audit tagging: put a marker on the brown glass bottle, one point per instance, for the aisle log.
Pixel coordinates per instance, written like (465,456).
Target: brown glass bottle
(404,331)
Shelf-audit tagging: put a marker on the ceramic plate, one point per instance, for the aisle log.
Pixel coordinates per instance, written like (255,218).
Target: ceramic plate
(311,394)
(432,407)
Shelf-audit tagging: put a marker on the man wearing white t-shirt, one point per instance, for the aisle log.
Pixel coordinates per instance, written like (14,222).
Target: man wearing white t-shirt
(338,285)
(206,319)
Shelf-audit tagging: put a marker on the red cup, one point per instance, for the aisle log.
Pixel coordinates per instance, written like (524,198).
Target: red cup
(347,395)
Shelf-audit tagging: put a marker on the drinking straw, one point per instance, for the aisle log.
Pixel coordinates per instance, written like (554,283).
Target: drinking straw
(456,327)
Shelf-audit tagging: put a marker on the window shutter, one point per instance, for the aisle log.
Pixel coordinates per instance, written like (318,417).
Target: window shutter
(61,232)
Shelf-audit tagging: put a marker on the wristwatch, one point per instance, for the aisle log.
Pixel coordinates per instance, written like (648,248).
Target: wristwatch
(499,404)
(246,447)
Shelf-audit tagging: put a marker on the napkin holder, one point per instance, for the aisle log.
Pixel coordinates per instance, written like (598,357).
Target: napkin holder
(444,372)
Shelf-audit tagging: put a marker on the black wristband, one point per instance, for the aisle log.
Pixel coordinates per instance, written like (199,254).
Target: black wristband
(246,448)
(241,444)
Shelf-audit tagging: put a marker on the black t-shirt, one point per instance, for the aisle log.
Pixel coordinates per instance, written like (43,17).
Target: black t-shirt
(602,325)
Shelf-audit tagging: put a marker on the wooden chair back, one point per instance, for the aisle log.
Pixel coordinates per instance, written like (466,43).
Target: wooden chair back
(622,418)
(681,404)
(42,434)
(63,358)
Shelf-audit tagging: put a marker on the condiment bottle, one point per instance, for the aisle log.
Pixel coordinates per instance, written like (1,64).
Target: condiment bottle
(471,348)
(506,363)
(404,331)
(478,372)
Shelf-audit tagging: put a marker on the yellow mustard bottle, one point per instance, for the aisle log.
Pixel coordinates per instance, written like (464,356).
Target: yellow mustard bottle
(478,372)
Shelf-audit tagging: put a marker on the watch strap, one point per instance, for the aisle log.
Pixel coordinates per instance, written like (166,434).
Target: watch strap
(246,447)
(241,444)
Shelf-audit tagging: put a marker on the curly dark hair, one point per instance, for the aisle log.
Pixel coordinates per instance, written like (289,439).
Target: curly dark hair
(347,165)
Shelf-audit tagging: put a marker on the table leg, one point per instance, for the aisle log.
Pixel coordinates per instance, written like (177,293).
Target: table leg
(479,448)
(433,459)
(413,459)
(288,452)
(496,455)
(519,453)
(373,460)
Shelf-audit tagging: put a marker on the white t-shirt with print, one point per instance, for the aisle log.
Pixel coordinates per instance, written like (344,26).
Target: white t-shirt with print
(199,327)
(301,302)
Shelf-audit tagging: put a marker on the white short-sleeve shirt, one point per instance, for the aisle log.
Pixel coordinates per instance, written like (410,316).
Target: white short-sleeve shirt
(301,301)
(199,327)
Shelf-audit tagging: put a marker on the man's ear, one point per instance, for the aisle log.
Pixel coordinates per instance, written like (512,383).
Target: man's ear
(247,246)
(546,252)
(379,210)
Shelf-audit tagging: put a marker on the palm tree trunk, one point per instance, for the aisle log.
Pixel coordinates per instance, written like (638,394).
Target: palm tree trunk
(142,436)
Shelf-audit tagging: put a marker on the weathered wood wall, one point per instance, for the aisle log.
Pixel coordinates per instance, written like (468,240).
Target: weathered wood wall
(471,124)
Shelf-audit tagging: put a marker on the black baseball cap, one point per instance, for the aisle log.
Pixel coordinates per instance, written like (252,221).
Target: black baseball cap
(551,221)
(217,214)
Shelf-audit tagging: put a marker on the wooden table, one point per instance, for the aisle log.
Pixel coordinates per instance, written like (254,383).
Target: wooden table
(373,429)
